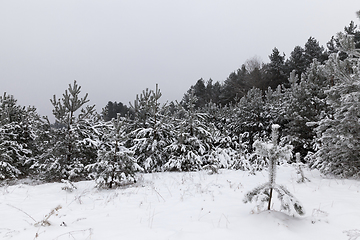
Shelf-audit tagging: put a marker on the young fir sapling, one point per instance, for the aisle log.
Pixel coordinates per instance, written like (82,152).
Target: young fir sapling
(263,193)
(115,164)
(299,166)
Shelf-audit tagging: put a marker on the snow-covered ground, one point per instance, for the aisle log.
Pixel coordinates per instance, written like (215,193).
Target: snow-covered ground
(175,205)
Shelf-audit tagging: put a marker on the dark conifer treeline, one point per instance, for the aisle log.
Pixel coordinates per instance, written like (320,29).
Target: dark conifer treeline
(112,109)
(255,74)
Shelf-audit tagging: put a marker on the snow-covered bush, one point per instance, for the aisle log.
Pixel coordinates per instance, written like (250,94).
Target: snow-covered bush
(113,168)
(223,157)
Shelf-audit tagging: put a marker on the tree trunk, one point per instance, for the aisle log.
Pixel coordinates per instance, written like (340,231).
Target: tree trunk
(269,204)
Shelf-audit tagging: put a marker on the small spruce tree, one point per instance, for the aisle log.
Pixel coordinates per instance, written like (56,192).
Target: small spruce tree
(299,166)
(115,164)
(264,193)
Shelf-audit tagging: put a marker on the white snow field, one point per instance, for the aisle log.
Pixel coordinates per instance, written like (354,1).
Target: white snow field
(181,205)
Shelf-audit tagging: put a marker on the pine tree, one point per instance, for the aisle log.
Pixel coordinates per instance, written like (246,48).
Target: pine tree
(12,153)
(276,70)
(313,50)
(338,132)
(16,137)
(112,109)
(150,131)
(264,193)
(305,102)
(297,61)
(225,151)
(234,87)
(73,145)
(115,163)
(193,139)
(250,116)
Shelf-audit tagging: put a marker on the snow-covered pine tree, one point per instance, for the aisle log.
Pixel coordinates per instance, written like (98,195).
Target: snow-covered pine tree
(276,104)
(193,139)
(251,116)
(150,131)
(35,132)
(338,134)
(73,143)
(304,102)
(16,137)
(264,193)
(115,163)
(12,153)
(228,150)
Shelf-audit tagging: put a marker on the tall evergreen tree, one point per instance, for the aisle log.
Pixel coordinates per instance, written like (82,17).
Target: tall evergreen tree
(353,30)
(74,144)
(200,92)
(313,50)
(297,61)
(250,117)
(11,151)
(234,87)
(21,131)
(276,70)
(150,131)
(334,44)
(305,102)
(339,132)
(192,141)
(112,109)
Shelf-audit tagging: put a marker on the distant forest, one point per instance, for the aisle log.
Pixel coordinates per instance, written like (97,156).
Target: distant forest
(253,74)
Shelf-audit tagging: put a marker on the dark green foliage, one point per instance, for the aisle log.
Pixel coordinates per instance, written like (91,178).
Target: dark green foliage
(334,43)
(234,87)
(297,61)
(12,154)
(112,109)
(205,93)
(276,70)
(251,117)
(151,131)
(305,103)
(353,30)
(313,50)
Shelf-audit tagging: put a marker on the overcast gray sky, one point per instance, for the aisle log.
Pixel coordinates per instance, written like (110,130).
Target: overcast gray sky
(115,49)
